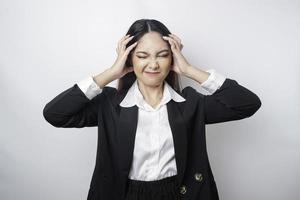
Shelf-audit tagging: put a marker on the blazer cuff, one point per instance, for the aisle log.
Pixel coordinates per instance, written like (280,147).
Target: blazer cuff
(89,87)
(214,81)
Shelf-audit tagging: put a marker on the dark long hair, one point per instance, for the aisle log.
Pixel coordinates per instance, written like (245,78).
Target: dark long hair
(137,30)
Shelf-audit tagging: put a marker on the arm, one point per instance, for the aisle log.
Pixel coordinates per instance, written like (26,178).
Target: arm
(78,105)
(227,100)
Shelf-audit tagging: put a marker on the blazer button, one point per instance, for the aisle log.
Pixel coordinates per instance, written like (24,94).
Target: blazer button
(183,189)
(198,177)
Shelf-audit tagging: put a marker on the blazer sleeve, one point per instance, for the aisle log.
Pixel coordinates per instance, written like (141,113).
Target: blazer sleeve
(231,101)
(76,107)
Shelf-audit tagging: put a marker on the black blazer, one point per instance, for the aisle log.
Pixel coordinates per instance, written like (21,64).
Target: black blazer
(117,128)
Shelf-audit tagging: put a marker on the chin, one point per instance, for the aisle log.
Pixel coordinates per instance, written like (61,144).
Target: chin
(152,82)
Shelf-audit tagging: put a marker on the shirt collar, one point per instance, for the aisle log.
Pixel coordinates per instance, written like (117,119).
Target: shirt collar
(135,97)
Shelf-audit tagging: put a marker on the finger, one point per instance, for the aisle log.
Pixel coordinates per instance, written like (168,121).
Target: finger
(174,43)
(130,47)
(178,45)
(175,37)
(124,43)
(169,39)
(126,36)
(128,39)
(173,46)
(122,39)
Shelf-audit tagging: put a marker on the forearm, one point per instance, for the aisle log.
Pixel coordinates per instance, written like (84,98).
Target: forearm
(196,74)
(104,78)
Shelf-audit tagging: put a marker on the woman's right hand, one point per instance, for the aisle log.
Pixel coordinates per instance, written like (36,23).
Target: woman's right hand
(118,68)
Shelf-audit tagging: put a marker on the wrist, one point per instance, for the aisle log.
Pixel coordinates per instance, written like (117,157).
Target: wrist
(112,73)
(188,70)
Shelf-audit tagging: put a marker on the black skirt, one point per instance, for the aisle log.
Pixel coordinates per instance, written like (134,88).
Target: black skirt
(163,189)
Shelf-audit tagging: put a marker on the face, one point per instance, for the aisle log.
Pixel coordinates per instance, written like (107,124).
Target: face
(151,59)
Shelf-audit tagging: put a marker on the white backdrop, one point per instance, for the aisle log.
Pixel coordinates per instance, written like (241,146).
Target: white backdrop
(47,46)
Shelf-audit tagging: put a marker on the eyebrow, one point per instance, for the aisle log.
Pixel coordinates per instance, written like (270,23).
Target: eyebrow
(167,50)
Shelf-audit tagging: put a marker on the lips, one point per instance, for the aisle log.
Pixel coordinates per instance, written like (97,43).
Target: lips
(152,72)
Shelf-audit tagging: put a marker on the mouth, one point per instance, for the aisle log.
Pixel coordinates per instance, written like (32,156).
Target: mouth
(152,73)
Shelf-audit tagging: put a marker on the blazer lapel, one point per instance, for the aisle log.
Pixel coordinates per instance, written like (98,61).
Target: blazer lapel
(127,125)
(179,131)
(126,131)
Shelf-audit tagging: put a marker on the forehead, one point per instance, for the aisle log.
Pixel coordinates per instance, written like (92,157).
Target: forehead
(151,42)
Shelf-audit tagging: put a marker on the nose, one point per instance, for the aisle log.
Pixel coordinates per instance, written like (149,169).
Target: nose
(153,65)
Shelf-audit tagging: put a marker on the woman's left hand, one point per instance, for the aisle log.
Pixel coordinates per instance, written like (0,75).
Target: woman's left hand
(180,64)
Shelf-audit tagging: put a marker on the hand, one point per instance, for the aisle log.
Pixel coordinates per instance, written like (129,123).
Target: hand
(118,68)
(180,64)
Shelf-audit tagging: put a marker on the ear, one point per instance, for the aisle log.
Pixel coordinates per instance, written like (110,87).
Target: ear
(129,69)
(172,67)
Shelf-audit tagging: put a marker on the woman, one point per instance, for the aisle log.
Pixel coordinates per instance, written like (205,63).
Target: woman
(151,135)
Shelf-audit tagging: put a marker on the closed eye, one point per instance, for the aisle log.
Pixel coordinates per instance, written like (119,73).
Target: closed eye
(159,56)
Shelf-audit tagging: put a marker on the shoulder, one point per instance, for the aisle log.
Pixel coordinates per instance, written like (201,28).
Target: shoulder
(107,93)
(108,90)
(113,95)
(189,92)
(192,98)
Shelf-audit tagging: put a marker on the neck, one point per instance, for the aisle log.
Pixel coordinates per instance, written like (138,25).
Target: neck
(151,94)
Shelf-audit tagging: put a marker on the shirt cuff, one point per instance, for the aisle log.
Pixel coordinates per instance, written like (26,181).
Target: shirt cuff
(214,81)
(89,87)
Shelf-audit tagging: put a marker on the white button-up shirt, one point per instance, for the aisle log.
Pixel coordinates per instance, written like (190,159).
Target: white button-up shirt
(153,156)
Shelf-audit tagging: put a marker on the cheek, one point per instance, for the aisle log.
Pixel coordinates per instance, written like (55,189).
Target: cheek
(166,63)
(138,65)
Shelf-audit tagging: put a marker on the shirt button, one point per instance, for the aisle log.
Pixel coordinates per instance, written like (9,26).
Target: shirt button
(198,177)
(182,189)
